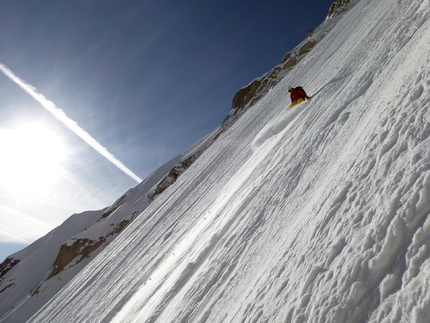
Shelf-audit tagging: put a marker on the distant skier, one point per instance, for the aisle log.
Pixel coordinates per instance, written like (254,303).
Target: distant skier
(175,176)
(297,95)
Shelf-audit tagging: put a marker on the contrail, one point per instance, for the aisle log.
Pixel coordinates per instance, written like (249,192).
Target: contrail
(72,125)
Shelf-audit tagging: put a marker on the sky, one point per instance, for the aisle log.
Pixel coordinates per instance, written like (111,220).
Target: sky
(143,79)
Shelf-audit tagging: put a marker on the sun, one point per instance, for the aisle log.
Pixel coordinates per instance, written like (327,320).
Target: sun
(30,158)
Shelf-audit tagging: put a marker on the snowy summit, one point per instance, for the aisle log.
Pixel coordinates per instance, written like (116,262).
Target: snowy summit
(314,214)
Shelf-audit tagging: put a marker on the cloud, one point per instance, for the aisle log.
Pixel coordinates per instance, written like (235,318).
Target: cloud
(72,125)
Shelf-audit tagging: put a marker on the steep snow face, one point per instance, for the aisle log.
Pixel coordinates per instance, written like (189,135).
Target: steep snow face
(317,214)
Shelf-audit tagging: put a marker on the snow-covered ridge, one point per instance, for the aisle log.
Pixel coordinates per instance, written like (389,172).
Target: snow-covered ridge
(337,8)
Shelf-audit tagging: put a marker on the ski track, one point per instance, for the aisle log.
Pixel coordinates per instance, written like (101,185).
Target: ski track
(318,214)
(275,128)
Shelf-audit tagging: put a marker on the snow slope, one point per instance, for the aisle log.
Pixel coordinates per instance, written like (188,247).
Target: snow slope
(319,214)
(35,274)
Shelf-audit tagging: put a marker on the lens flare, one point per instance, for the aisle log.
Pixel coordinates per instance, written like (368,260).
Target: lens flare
(30,159)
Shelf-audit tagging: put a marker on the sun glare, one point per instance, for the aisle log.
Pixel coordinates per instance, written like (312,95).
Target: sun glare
(30,158)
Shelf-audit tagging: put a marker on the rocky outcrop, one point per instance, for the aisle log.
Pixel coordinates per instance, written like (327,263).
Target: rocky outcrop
(5,266)
(72,254)
(336,8)
(307,47)
(78,251)
(245,95)
(114,207)
(180,168)
(7,286)
(257,89)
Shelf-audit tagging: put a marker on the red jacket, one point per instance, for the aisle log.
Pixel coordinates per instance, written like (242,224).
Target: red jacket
(297,93)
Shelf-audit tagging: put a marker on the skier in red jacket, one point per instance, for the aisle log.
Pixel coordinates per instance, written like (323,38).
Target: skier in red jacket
(175,176)
(297,95)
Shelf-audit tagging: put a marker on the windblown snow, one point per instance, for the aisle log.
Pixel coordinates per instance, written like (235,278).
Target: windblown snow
(316,214)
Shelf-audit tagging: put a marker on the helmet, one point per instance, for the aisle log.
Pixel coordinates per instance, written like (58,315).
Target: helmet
(289,89)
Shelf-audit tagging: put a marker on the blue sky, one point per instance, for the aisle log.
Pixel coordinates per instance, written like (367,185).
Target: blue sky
(146,79)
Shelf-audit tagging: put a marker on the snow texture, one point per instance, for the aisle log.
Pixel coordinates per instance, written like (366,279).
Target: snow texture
(318,214)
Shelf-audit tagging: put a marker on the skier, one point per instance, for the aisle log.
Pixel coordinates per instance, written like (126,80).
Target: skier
(297,95)
(175,176)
